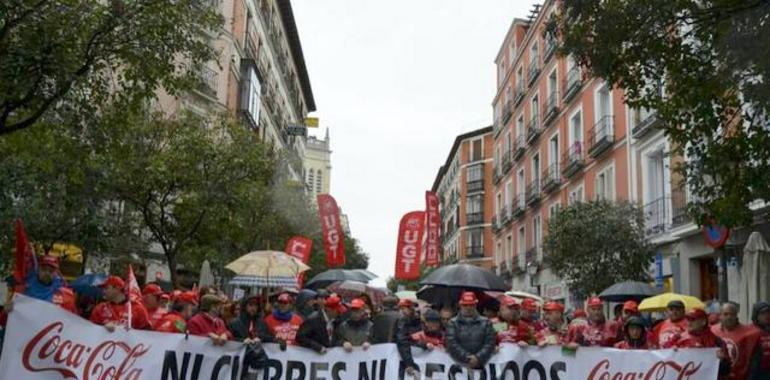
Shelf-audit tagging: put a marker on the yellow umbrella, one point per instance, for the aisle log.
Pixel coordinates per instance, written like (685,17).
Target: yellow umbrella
(267,264)
(659,302)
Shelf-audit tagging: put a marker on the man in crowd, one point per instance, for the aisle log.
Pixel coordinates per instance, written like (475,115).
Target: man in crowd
(306,302)
(317,331)
(470,338)
(113,312)
(151,296)
(46,284)
(739,340)
(759,368)
(634,335)
(283,323)
(529,314)
(514,330)
(599,332)
(208,323)
(175,320)
(408,324)
(579,317)
(431,336)
(446,313)
(386,322)
(356,330)
(555,330)
(675,325)
(699,335)
(250,326)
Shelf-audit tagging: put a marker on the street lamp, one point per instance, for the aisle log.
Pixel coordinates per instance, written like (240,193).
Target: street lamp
(532,269)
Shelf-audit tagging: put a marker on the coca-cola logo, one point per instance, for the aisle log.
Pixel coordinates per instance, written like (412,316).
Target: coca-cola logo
(48,350)
(661,370)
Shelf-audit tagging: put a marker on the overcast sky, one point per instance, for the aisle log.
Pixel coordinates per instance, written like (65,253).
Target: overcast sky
(396,81)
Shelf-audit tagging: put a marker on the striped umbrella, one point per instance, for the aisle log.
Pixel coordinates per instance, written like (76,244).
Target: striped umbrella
(264,281)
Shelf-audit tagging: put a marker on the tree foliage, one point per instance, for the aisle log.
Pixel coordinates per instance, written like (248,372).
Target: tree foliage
(594,245)
(65,57)
(703,67)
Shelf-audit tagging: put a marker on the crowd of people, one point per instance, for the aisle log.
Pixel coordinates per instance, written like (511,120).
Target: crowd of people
(469,333)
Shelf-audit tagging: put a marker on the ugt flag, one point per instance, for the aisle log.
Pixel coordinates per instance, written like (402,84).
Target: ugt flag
(409,246)
(331,228)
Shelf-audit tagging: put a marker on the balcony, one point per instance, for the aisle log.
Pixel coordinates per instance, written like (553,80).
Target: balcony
(507,162)
(533,71)
(573,83)
(496,226)
(533,130)
(679,213)
(550,47)
(474,218)
(497,127)
(474,251)
(533,192)
(531,256)
(518,94)
(645,125)
(516,267)
(506,112)
(507,215)
(474,186)
(497,174)
(518,207)
(208,81)
(519,147)
(572,160)
(551,108)
(551,178)
(601,136)
(655,216)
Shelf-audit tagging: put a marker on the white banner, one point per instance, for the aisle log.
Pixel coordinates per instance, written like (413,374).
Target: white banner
(45,342)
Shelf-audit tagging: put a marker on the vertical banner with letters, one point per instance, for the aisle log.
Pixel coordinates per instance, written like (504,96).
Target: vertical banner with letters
(331,228)
(433,223)
(300,247)
(409,246)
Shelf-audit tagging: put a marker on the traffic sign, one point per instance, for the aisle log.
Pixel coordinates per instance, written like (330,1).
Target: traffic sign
(715,235)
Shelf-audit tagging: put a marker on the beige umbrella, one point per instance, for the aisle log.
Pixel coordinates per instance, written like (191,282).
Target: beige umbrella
(755,282)
(267,264)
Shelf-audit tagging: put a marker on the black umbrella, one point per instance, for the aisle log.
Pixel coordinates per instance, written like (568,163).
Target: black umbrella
(628,290)
(465,276)
(331,276)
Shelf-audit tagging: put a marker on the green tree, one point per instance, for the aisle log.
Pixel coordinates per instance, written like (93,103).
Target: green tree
(59,58)
(702,66)
(594,245)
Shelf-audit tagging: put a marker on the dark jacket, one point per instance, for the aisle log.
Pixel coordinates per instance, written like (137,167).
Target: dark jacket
(305,296)
(470,336)
(355,332)
(758,365)
(407,327)
(385,326)
(240,327)
(313,334)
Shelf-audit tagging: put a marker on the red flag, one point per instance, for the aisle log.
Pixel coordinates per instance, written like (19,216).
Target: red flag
(433,223)
(332,230)
(409,245)
(300,248)
(133,292)
(25,257)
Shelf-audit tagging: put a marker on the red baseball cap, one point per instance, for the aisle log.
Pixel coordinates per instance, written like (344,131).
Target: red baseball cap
(165,297)
(553,306)
(357,303)
(335,303)
(696,314)
(50,261)
(285,298)
(152,289)
(529,304)
(631,306)
(468,299)
(510,302)
(114,281)
(405,302)
(188,297)
(579,313)
(594,302)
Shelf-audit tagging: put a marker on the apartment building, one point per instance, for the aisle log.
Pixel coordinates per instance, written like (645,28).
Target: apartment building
(464,188)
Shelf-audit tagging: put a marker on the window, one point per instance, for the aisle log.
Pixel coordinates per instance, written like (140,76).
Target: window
(553,152)
(576,130)
(537,232)
(475,242)
(499,254)
(310,179)
(654,175)
(554,209)
(476,150)
(533,55)
(252,88)
(319,182)
(508,192)
(499,204)
(536,169)
(552,83)
(520,186)
(475,173)
(521,246)
(474,208)
(520,126)
(508,250)
(604,183)
(512,50)
(575,195)
(603,112)
(507,146)
(534,110)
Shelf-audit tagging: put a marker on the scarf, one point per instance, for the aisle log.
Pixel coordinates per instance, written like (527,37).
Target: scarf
(277,314)
(43,292)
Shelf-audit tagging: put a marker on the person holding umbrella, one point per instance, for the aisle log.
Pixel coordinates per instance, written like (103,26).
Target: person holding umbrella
(470,338)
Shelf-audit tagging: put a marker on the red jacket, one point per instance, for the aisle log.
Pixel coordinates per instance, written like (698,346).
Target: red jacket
(284,330)
(515,333)
(156,315)
(203,324)
(171,322)
(666,332)
(739,344)
(706,339)
(551,337)
(117,313)
(592,334)
(421,338)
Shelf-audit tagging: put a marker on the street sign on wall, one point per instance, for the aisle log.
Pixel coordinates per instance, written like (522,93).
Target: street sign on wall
(715,235)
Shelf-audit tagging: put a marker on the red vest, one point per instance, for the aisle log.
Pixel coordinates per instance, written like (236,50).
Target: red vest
(421,337)
(666,333)
(739,343)
(706,339)
(203,324)
(514,333)
(171,322)
(117,313)
(594,334)
(284,330)
(156,315)
(551,337)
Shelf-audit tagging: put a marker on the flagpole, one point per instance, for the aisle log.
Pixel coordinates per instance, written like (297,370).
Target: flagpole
(128,295)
